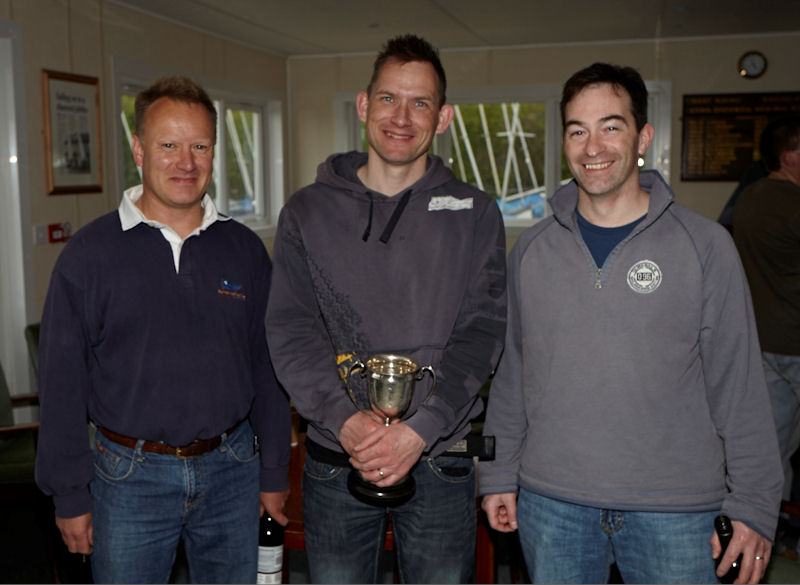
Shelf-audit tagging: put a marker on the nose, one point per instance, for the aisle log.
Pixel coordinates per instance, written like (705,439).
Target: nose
(401,115)
(594,145)
(186,160)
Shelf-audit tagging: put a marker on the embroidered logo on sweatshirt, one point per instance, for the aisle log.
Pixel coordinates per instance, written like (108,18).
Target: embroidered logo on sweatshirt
(449,203)
(231,289)
(644,276)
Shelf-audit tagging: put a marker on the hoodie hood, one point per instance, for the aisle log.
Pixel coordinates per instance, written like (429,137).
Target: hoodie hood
(340,171)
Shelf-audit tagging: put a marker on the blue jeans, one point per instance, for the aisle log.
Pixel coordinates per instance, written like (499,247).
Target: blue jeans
(145,503)
(783,382)
(434,532)
(567,543)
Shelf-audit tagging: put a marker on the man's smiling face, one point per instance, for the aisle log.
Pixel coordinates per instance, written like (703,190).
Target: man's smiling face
(601,143)
(402,113)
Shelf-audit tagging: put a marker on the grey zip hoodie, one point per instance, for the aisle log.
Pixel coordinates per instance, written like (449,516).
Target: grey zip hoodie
(421,274)
(637,385)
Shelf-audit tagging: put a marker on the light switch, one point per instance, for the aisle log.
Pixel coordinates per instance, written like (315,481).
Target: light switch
(39,234)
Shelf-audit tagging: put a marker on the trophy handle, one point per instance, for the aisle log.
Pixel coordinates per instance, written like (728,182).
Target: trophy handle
(421,374)
(356,366)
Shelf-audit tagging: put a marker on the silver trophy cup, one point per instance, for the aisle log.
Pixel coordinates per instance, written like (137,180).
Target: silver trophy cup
(390,381)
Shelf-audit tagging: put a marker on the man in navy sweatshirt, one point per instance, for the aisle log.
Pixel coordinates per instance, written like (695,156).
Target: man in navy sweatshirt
(153,334)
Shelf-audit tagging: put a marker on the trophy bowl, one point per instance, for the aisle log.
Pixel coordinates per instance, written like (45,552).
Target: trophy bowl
(390,381)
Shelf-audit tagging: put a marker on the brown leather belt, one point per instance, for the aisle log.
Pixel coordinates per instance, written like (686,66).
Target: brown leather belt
(198,447)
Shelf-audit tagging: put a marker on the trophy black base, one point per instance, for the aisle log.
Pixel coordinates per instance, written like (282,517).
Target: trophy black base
(383,497)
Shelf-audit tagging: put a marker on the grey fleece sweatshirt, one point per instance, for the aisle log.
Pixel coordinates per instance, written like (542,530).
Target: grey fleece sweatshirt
(421,274)
(637,385)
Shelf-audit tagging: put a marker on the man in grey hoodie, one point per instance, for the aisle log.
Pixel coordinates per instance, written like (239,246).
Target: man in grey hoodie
(387,252)
(630,406)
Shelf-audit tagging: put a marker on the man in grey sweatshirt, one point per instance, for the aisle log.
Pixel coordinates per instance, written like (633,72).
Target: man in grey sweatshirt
(629,406)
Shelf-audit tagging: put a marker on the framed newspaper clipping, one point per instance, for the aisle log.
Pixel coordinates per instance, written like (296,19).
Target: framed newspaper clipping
(71,133)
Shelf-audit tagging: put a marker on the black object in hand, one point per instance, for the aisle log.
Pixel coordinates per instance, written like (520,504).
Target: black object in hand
(725,532)
(270,550)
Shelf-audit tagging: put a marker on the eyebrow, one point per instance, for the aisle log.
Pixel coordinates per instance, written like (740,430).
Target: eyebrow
(422,97)
(604,119)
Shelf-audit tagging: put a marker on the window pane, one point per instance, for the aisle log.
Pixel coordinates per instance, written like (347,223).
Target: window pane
(132,174)
(500,148)
(241,152)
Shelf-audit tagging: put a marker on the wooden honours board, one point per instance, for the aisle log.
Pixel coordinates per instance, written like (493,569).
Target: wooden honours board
(721,131)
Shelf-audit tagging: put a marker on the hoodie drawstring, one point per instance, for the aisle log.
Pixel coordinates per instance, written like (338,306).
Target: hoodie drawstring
(398,211)
(367,231)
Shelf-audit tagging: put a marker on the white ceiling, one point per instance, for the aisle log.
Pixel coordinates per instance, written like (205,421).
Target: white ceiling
(321,27)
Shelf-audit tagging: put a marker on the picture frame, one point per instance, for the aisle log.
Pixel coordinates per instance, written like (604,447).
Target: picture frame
(73,157)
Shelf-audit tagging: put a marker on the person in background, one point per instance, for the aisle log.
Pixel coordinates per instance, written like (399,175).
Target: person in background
(387,252)
(766,223)
(153,333)
(629,406)
(756,171)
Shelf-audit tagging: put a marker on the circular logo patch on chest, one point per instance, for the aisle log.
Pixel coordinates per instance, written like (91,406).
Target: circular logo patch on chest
(644,276)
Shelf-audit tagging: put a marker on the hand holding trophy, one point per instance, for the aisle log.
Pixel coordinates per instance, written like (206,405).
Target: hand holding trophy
(390,387)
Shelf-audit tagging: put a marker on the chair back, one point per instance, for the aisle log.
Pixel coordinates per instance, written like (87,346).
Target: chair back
(17,448)
(32,339)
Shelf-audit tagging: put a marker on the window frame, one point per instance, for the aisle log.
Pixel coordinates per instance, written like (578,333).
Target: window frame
(268,181)
(17,294)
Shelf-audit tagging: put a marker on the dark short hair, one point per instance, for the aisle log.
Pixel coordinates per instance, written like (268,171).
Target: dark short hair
(626,78)
(778,136)
(177,88)
(405,49)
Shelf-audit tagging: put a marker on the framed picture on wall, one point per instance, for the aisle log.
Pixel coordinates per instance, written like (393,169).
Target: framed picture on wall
(72,133)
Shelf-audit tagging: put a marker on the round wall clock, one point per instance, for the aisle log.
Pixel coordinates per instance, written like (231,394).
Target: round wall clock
(752,65)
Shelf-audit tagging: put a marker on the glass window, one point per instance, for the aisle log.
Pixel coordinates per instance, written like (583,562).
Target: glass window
(132,175)
(506,141)
(500,148)
(241,153)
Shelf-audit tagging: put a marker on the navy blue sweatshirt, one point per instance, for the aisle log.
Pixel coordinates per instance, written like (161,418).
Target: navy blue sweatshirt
(149,353)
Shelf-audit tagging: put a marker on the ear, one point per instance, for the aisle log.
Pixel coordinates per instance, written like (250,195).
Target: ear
(645,138)
(362,104)
(138,150)
(446,114)
(790,159)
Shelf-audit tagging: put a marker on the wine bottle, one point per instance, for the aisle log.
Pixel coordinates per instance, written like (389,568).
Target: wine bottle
(725,532)
(270,550)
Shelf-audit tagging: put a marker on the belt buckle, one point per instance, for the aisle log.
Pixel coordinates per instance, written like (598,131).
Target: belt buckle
(190,449)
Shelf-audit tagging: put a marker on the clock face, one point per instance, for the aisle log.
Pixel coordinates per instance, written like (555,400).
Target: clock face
(752,65)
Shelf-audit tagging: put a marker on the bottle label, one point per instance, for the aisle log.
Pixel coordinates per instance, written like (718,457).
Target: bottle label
(270,560)
(269,578)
